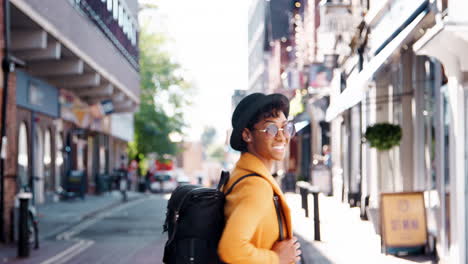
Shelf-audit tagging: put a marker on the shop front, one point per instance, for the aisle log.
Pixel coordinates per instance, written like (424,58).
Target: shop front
(451,31)
(37,110)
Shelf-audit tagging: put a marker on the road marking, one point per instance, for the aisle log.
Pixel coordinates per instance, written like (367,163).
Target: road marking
(69,253)
(87,223)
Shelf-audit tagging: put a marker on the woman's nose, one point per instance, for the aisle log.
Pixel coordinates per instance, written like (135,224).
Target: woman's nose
(280,135)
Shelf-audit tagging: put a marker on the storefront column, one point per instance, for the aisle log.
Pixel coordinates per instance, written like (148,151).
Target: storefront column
(335,130)
(373,180)
(457,172)
(385,172)
(406,176)
(419,137)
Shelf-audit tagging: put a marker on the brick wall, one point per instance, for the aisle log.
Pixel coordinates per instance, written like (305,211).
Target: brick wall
(11,132)
(11,161)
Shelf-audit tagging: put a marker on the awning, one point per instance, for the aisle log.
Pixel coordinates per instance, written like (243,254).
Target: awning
(300,125)
(448,43)
(301,121)
(357,84)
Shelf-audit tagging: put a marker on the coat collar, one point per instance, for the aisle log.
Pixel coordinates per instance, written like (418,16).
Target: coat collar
(249,163)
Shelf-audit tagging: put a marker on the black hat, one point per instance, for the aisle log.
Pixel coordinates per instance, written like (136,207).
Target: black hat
(245,111)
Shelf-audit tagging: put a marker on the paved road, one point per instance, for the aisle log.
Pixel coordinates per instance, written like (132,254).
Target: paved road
(131,233)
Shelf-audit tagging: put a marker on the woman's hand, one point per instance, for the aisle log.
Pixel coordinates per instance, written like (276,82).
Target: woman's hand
(287,250)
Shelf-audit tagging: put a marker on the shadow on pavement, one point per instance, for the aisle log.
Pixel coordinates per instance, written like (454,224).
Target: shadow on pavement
(310,254)
(421,258)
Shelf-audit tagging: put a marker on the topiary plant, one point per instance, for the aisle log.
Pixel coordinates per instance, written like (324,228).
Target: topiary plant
(383,136)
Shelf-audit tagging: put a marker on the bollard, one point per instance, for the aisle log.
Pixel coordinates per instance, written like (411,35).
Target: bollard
(23,234)
(315,192)
(304,192)
(305,202)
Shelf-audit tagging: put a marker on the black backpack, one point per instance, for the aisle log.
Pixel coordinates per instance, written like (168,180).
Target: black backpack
(195,222)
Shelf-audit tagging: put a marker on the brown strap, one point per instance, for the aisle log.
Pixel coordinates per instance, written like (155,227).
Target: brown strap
(278,215)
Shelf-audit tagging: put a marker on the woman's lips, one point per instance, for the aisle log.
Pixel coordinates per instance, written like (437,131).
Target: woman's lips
(278,147)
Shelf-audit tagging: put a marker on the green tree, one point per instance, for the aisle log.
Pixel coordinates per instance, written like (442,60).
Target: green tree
(163,95)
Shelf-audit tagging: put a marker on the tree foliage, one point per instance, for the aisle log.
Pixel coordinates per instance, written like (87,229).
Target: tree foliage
(163,95)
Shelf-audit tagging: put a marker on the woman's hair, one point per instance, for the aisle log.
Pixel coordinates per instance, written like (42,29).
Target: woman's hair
(269,110)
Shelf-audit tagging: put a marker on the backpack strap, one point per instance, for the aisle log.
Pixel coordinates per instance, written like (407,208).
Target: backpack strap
(240,179)
(279,214)
(223,180)
(279,211)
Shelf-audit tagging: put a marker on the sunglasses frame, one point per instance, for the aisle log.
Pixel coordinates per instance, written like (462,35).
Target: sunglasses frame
(278,129)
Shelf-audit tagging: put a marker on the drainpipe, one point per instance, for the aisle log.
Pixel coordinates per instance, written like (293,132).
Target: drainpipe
(7,68)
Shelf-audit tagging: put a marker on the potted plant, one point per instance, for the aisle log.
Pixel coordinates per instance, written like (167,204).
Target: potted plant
(383,136)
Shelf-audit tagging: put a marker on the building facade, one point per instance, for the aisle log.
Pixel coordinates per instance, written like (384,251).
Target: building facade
(71,96)
(257,68)
(396,74)
(357,63)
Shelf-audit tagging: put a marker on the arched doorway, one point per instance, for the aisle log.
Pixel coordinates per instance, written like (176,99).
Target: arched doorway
(23,157)
(38,168)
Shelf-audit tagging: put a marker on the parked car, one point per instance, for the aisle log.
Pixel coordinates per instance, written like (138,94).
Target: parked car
(162,181)
(183,180)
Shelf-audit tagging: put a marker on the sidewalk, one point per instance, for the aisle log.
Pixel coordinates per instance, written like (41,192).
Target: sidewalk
(55,218)
(345,238)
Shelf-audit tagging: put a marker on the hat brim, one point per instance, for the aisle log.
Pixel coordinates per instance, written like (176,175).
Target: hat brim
(236,140)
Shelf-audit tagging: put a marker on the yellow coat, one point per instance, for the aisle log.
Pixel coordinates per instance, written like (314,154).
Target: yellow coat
(251,220)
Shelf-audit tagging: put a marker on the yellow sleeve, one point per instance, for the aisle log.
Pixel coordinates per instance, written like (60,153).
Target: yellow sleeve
(250,198)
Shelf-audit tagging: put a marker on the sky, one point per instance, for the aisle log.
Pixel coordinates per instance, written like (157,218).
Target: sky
(209,39)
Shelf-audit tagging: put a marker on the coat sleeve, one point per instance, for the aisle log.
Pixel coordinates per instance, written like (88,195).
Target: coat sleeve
(250,207)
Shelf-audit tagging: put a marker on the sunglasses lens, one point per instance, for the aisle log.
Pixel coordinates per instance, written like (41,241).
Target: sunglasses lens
(272,130)
(290,130)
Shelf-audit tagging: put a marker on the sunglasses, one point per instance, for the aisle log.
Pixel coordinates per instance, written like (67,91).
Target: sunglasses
(288,130)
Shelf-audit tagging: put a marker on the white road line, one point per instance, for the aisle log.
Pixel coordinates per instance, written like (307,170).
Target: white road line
(85,224)
(68,257)
(69,253)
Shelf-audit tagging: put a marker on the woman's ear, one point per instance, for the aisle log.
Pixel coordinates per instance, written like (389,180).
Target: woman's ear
(246,135)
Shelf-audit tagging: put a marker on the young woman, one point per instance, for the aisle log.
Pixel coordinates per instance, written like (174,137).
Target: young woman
(262,133)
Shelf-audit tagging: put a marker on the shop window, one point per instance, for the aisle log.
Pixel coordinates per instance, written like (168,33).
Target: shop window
(23,157)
